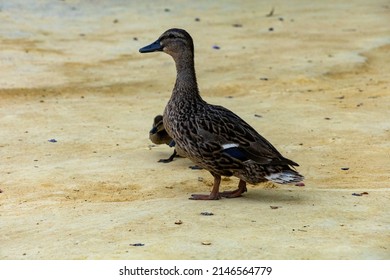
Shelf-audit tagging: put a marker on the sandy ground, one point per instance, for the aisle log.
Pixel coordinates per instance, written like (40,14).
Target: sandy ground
(311,78)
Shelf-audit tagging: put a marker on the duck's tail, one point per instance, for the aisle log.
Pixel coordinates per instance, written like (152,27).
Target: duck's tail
(285,176)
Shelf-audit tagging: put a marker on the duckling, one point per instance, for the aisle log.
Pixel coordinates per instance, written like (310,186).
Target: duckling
(212,136)
(158,135)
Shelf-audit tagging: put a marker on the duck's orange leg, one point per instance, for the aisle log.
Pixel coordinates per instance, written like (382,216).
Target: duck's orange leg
(236,193)
(214,195)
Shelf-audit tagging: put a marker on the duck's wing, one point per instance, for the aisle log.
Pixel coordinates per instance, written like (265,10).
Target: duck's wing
(225,132)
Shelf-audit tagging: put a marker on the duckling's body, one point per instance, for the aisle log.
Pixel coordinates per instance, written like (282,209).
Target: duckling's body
(212,136)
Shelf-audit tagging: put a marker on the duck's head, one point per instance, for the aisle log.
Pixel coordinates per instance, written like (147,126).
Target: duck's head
(174,41)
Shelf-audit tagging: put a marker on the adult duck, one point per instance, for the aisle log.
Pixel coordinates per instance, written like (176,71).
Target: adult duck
(212,136)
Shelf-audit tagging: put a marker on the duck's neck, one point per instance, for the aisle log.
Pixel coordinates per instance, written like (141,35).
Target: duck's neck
(186,86)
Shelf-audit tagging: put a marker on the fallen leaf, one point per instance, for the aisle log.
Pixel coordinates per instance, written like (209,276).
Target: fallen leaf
(356,194)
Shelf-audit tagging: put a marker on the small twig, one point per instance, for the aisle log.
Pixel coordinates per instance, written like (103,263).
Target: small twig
(271,13)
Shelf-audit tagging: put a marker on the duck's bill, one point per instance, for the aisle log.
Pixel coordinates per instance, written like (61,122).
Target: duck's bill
(153,47)
(153,130)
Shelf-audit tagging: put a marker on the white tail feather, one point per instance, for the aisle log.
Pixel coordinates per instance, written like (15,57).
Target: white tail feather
(285,177)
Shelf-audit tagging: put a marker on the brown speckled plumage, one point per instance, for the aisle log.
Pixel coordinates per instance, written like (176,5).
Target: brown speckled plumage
(212,136)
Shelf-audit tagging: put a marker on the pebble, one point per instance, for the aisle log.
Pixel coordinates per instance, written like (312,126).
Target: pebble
(344,168)
(52,140)
(206,243)
(215,47)
(300,184)
(195,167)
(207,213)
(137,244)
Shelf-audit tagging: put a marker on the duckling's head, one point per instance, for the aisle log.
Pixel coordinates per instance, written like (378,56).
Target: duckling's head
(158,134)
(174,42)
(157,124)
